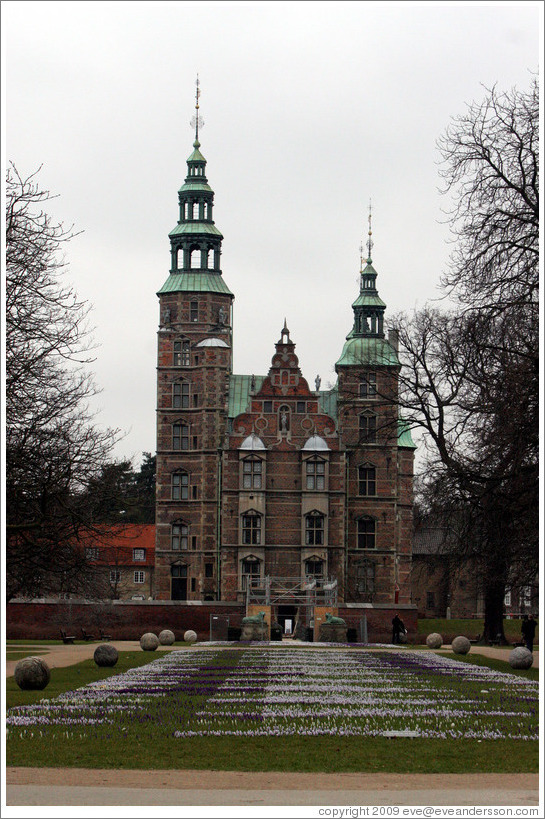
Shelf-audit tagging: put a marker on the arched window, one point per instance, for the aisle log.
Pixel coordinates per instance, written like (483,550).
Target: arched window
(180,436)
(366,532)
(368,428)
(195,258)
(314,529)
(367,480)
(251,529)
(315,474)
(179,536)
(179,488)
(252,473)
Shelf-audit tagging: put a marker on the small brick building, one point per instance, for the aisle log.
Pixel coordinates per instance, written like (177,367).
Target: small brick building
(263,479)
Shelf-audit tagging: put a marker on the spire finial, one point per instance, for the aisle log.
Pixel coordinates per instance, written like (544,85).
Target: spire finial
(369,240)
(197,121)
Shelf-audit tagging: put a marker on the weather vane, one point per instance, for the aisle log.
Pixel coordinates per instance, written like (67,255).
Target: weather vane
(197,121)
(369,240)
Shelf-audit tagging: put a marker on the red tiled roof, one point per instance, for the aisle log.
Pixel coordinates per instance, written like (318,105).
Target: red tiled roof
(116,544)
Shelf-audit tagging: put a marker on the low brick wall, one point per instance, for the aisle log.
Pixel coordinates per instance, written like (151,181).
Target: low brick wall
(122,619)
(129,619)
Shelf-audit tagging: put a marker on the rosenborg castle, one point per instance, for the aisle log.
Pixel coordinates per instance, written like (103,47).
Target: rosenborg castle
(270,489)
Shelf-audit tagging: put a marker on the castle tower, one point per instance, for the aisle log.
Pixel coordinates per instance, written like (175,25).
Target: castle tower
(379,454)
(194,363)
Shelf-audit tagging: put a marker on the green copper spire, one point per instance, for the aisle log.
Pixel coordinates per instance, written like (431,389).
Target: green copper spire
(195,241)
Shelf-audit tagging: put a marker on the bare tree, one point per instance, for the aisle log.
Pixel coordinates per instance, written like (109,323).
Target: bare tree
(53,448)
(470,375)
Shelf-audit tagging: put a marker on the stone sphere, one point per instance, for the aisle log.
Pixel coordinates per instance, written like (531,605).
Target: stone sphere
(106,656)
(149,641)
(461,645)
(434,640)
(32,674)
(166,637)
(521,657)
(190,636)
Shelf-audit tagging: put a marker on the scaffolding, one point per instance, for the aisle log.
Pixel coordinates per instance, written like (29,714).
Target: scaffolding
(289,591)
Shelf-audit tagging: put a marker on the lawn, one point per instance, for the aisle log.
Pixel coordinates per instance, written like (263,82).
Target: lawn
(468,628)
(280,709)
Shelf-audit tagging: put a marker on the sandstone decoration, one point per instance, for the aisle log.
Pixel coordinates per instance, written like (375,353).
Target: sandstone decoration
(521,657)
(190,636)
(166,637)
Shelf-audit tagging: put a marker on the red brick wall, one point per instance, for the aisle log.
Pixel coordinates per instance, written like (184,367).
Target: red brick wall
(122,620)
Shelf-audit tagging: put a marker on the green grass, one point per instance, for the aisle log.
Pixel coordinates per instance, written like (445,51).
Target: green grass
(19,655)
(468,628)
(151,749)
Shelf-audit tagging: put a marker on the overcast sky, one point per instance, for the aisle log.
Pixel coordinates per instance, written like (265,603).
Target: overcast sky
(311,109)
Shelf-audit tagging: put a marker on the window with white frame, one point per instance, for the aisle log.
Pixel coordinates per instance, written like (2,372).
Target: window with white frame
(367,480)
(366,532)
(181,353)
(91,553)
(315,475)
(180,395)
(251,529)
(138,554)
(252,473)
(139,577)
(179,536)
(115,575)
(179,488)
(180,436)
(314,529)
(507,599)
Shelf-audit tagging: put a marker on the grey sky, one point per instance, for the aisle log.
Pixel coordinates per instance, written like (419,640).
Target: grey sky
(310,110)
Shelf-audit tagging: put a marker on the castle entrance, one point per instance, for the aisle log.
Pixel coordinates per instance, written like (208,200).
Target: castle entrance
(287,617)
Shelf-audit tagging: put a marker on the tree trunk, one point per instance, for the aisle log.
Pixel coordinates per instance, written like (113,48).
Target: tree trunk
(494,595)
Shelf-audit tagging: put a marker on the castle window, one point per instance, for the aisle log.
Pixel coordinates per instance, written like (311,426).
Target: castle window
(301,407)
(180,395)
(315,475)
(368,386)
(193,584)
(314,529)
(430,600)
(181,354)
(209,570)
(368,428)
(251,529)
(314,567)
(115,576)
(365,578)
(194,309)
(179,488)
(367,481)
(139,577)
(179,536)
(366,533)
(267,406)
(251,572)
(91,553)
(138,554)
(180,436)
(252,473)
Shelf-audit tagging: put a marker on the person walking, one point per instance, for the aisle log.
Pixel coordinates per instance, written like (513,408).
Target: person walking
(398,628)
(528,630)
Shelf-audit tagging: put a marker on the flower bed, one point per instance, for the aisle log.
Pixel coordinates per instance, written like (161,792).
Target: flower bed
(293,691)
